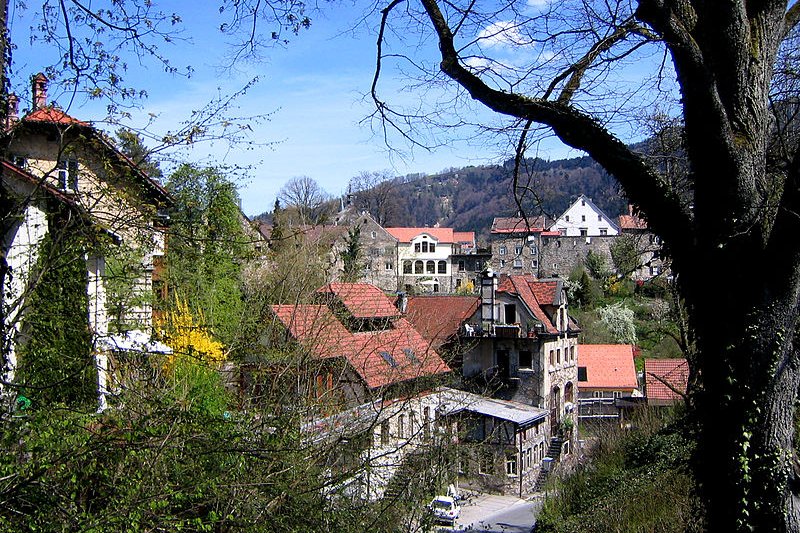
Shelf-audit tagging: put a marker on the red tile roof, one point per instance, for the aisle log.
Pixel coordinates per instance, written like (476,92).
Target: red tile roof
(53,115)
(665,380)
(381,357)
(517,224)
(438,318)
(546,291)
(608,366)
(362,299)
(443,235)
(526,287)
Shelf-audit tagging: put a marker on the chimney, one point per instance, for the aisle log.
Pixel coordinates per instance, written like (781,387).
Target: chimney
(12,111)
(630,209)
(39,91)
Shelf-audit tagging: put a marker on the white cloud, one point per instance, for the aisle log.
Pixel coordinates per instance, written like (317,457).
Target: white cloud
(501,34)
(538,3)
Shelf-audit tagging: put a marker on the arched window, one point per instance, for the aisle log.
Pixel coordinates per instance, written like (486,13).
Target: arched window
(569,392)
(407,267)
(430,267)
(418,267)
(442,267)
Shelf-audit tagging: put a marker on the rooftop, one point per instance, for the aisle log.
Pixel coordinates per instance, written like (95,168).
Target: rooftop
(666,380)
(608,366)
(438,318)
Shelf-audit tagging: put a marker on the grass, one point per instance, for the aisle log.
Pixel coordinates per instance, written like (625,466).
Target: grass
(633,480)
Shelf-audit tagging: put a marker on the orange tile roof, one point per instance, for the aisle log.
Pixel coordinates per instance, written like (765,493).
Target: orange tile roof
(517,224)
(380,358)
(663,377)
(631,222)
(53,115)
(608,366)
(443,235)
(362,299)
(464,236)
(438,318)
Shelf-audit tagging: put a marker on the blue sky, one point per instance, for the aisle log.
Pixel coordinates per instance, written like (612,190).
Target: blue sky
(313,88)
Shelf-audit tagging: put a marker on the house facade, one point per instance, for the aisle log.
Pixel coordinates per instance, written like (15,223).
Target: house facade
(584,219)
(425,257)
(516,343)
(56,157)
(606,377)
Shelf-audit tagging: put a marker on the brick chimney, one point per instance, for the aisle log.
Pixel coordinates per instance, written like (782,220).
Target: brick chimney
(12,110)
(39,91)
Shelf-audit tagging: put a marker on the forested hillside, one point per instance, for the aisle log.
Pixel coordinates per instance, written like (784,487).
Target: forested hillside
(469,198)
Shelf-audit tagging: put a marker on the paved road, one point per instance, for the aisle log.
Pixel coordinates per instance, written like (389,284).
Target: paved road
(496,514)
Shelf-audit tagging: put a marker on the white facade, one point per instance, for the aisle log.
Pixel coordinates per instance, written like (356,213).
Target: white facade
(584,219)
(425,262)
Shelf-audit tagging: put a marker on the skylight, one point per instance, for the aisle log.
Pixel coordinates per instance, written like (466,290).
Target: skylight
(411,356)
(389,359)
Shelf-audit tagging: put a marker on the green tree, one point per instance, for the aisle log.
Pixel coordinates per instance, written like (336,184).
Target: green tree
(207,248)
(352,255)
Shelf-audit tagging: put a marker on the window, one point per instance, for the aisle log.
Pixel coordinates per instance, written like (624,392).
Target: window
(597,394)
(388,265)
(430,267)
(432,247)
(511,465)
(407,269)
(617,394)
(584,232)
(583,202)
(535,263)
(654,271)
(583,218)
(441,267)
(502,250)
(389,359)
(571,353)
(419,267)
(461,265)
(385,432)
(552,357)
(558,356)
(67,174)
(426,422)
(534,251)
(566,218)
(510,313)
(411,356)
(417,247)
(458,283)
(525,359)
(517,263)
(582,373)
(599,218)
(502,263)
(603,231)
(374,234)
(401,426)
(529,454)
(518,250)
(424,246)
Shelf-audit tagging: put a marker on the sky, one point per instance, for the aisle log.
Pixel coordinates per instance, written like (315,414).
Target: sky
(313,90)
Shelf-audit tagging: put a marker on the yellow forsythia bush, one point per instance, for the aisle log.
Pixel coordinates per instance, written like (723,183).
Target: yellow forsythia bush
(189,338)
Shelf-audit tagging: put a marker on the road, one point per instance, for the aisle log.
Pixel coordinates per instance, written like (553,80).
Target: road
(518,518)
(495,514)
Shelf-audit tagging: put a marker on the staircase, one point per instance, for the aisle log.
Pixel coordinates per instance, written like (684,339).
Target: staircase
(554,454)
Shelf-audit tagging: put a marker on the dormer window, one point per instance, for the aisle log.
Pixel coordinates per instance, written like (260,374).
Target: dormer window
(67,174)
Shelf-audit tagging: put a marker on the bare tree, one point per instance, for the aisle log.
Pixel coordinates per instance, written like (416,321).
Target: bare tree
(568,67)
(376,192)
(305,196)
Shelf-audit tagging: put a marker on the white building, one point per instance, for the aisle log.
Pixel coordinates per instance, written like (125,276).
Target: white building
(584,219)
